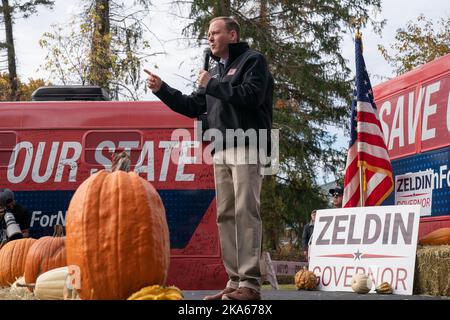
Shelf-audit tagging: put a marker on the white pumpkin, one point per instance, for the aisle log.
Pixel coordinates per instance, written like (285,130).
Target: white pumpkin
(361,283)
(50,284)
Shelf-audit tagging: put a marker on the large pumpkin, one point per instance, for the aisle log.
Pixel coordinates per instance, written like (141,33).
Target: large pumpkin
(45,254)
(117,235)
(437,237)
(12,260)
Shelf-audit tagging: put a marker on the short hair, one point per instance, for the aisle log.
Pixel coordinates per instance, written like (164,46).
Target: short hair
(230,24)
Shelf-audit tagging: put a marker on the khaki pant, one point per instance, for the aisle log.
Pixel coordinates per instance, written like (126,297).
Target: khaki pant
(238,188)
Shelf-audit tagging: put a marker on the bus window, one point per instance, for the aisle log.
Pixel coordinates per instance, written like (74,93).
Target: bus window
(8,141)
(99,146)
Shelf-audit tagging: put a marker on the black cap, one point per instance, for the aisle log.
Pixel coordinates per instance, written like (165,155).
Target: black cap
(6,196)
(337,190)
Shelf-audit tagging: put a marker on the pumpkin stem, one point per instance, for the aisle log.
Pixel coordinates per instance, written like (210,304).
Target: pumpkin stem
(121,161)
(58,230)
(25,285)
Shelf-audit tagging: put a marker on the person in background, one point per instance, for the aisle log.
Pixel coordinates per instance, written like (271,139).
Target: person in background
(337,193)
(3,237)
(8,203)
(307,234)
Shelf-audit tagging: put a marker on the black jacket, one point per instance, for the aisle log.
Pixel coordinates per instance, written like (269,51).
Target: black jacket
(307,233)
(239,96)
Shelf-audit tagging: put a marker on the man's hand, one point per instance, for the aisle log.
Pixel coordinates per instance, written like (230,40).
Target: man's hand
(203,78)
(26,233)
(153,81)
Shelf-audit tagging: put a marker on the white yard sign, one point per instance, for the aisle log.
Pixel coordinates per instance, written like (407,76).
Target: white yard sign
(415,188)
(378,241)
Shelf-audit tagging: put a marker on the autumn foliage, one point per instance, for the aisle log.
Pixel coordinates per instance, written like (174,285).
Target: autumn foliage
(25,90)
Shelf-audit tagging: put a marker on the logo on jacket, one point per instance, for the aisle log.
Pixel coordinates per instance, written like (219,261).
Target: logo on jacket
(231,72)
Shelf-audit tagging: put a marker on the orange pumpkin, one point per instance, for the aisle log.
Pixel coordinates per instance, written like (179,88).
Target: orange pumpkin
(305,280)
(12,260)
(45,254)
(437,237)
(117,235)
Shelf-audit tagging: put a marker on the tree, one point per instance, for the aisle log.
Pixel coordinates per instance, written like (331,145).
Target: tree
(418,43)
(24,90)
(8,9)
(301,40)
(105,46)
(67,59)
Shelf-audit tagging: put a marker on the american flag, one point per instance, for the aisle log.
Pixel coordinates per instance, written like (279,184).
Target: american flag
(367,148)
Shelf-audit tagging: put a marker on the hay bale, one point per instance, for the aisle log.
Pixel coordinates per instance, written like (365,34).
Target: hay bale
(6,294)
(16,292)
(432,270)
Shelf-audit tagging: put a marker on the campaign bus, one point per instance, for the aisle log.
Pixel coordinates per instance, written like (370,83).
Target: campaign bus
(414,111)
(48,148)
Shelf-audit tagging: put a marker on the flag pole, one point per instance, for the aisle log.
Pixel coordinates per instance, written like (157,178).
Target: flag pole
(357,33)
(361,185)
(361,167)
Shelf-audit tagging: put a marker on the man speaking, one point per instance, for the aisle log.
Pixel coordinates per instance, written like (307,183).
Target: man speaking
(235,94)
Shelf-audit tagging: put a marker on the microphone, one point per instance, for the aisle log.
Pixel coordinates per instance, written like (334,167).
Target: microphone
(206,55)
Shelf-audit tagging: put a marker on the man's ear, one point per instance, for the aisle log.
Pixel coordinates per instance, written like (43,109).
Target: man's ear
(233,35)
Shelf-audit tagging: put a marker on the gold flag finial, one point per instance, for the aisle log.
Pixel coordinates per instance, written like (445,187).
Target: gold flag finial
(358,36)
(357,23)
